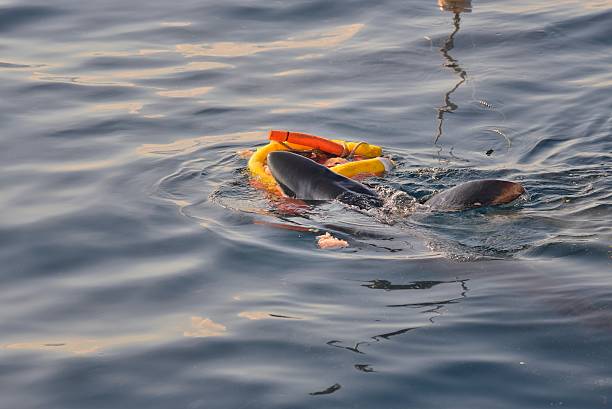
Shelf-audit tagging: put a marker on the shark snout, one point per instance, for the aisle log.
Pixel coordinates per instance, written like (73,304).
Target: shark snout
(507,192)
(280,163)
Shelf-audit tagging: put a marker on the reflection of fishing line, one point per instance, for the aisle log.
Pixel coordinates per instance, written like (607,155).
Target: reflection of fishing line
(499,132)
(451,155)
(490,107)
(453,64)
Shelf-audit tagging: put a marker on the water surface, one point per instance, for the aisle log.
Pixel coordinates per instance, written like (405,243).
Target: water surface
(141,269)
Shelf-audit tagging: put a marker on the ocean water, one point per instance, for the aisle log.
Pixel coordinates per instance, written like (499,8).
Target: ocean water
(140,268)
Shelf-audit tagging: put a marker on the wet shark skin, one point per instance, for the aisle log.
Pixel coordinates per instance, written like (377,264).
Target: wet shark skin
(474,194)
(303,178)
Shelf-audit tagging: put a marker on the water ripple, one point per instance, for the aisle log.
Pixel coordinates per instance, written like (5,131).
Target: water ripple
(141,268)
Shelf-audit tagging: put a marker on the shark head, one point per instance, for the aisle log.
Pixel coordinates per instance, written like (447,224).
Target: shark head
(476,193)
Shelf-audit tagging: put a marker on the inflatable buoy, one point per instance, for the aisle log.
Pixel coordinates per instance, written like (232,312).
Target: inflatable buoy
(370,160)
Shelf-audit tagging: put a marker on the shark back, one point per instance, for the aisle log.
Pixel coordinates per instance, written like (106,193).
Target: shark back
(476,193)
(303,178)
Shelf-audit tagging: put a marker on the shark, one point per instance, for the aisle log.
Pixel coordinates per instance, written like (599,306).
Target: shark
(301,178)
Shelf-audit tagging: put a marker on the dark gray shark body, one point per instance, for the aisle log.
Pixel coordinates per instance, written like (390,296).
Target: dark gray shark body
(302,178)
(476,193)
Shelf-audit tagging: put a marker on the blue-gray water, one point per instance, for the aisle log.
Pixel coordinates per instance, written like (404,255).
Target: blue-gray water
(139,269)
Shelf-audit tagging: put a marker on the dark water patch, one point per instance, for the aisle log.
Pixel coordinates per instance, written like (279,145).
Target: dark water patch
(218,111)
(73,89)
(12,65)
(388,286)
(165,34)
(593,28)
(14,17)
(299,12)
(115,126)
(588,250)
(335,387)
(201,78)
(101,128)
(123,62)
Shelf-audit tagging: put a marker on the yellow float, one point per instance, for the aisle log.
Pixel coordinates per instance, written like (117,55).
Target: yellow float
(370,160)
